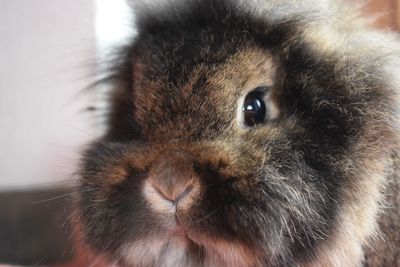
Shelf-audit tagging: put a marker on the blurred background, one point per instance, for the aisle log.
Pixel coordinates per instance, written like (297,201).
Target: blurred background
(51,50)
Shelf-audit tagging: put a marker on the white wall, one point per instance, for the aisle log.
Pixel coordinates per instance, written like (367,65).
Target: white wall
(47,55)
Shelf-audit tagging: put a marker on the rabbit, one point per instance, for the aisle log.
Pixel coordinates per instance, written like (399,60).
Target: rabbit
(247,133)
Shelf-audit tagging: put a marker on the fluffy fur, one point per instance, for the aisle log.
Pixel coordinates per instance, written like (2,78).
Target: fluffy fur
(302,189)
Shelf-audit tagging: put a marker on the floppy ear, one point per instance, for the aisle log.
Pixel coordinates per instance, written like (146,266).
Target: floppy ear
(384,249)
(120,76)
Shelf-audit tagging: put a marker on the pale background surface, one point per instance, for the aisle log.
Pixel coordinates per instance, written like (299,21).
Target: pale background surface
(48,54)
(45,49)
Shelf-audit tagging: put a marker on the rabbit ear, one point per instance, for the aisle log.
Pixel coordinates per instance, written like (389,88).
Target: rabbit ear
(120,76)
(113,86)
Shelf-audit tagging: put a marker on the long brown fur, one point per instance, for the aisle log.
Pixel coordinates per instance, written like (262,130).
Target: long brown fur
(180,179)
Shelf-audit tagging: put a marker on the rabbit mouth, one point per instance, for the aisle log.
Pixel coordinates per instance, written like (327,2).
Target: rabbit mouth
(177,244)
(182,249)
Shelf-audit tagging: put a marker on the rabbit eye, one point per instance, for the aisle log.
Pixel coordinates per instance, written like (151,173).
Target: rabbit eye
(254,109)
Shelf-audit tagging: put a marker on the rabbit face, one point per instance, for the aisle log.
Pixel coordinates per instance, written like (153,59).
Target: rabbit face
(250,148)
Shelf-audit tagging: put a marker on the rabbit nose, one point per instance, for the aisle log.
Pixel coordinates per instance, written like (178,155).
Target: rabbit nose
(173,193)
(172,182)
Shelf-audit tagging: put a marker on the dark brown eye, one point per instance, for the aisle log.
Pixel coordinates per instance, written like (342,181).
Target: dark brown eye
(254,110)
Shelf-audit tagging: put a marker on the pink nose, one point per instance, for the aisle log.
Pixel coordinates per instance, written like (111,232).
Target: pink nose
(174,195)
(173,178)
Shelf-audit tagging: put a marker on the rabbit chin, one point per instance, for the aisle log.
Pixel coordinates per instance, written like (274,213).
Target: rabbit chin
(182,251)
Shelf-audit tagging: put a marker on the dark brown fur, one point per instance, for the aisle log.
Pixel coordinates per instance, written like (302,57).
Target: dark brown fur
(300,189)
